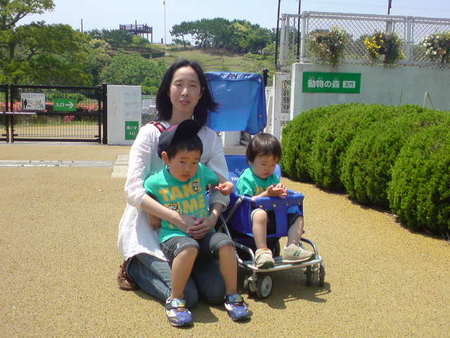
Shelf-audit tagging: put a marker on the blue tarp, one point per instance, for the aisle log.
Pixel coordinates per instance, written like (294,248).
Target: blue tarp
(242,102)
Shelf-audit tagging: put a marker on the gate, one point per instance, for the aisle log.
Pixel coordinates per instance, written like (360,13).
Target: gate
(55,113)
(3,109)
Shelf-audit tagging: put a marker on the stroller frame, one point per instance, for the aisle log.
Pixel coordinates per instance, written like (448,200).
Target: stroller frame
(257,281)
(242,107)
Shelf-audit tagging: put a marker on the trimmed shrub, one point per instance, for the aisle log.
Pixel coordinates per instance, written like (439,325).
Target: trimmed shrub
(419,192)
(335,135)
(367,164)
(297,140)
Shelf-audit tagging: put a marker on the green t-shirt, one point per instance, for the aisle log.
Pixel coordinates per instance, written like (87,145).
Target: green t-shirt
(251,185)
(187,198)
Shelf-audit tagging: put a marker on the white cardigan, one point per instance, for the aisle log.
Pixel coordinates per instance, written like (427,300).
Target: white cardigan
(135,233)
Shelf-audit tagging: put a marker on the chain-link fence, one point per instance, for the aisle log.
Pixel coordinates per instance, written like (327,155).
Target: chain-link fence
(411,31)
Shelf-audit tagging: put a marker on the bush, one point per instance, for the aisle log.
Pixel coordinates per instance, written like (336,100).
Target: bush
(367,164)
(335,135)
(419,192)
(297,140)
(437,47)
(387,44)
(328,46)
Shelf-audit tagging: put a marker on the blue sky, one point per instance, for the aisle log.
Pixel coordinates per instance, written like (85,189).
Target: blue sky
(109,14)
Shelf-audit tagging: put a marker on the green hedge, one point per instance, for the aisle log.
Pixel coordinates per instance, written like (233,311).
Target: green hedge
(333,137)
(419,192)
(366,166)
(297,140)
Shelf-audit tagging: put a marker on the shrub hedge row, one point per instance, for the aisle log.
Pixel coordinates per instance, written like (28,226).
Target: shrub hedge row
(356,148)
(419,192)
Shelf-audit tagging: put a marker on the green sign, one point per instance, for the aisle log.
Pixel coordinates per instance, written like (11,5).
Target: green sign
(322,82)
(64,105)
(131,129)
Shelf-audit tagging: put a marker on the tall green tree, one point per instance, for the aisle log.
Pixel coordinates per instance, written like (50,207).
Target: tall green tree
(133,69)
(12,11)
(238,36)
(48,54)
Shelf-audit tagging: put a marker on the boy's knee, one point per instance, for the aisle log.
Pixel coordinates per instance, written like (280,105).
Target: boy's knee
(259,215)
(188,251)
(187,247)
(221,241)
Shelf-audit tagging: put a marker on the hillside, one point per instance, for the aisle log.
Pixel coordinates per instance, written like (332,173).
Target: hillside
(218,60)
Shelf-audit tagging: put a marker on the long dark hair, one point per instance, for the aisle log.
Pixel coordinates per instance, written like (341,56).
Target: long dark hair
(204,105)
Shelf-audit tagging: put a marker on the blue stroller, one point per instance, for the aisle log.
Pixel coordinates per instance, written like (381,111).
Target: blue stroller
(241,98)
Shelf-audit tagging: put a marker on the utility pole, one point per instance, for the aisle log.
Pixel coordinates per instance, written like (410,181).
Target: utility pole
(277,36)
(298,28)
(389,6)
(165,37)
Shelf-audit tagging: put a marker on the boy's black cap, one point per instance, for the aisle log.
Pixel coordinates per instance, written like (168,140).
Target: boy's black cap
(182,131)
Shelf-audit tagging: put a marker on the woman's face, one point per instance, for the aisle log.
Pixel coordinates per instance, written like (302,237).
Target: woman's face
(185,92)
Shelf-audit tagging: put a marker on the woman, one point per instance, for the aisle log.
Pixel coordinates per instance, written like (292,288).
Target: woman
(183,94)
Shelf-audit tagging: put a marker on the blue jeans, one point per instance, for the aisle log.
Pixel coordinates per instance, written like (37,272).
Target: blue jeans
(153,276)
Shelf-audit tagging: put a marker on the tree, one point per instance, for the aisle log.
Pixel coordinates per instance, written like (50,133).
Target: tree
(238,36)
(115,37)
(133,69)
(99,56)
(12,11)
(47,54)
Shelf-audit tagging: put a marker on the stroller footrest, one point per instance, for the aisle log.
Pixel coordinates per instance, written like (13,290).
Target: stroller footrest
(280,265)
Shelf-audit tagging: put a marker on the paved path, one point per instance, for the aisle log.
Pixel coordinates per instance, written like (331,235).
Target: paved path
(59,261)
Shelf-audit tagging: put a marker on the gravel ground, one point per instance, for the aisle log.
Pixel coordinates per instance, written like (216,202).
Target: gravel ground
(59,263)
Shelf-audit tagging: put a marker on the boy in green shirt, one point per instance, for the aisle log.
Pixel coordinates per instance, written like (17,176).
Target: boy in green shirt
(260,180)
(181,186)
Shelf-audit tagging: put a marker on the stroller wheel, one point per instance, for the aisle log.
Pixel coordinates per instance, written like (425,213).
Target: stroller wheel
(264,286)
(321,275)
(250,285)
(309,275)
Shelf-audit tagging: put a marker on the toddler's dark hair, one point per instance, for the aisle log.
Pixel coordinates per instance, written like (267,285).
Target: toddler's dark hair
(263,144)
(188,144)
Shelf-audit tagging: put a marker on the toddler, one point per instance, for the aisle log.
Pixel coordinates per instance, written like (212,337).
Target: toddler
(263,154)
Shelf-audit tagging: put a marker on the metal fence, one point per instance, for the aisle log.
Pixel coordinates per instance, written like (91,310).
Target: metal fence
(411,30)
(3,116)
(54,113)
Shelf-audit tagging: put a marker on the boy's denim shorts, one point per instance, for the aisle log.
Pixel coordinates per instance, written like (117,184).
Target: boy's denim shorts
(209,245)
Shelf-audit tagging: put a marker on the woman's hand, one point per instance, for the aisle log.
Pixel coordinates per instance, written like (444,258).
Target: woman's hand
(187,222)
(225,188)
(203,226)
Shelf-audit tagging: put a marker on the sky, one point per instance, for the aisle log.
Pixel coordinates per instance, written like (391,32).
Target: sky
(109,14)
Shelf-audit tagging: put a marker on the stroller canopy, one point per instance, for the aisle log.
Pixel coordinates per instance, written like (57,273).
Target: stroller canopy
(242,102)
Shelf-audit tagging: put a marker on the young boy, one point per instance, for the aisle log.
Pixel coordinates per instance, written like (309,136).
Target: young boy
(263,154)
(181,185)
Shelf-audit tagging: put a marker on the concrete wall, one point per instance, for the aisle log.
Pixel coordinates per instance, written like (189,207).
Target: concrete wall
(124,113)
(395,85)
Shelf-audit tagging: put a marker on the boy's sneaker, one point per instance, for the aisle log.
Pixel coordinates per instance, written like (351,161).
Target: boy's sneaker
(264,259)
(236,307)
(177,312)
(295,253)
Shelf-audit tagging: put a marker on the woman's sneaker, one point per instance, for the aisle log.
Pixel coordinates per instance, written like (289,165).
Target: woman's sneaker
(177,312)
(295,253)
(236,307)
(264,259)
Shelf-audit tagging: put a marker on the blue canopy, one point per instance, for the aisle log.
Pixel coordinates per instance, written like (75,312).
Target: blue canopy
(242,102)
